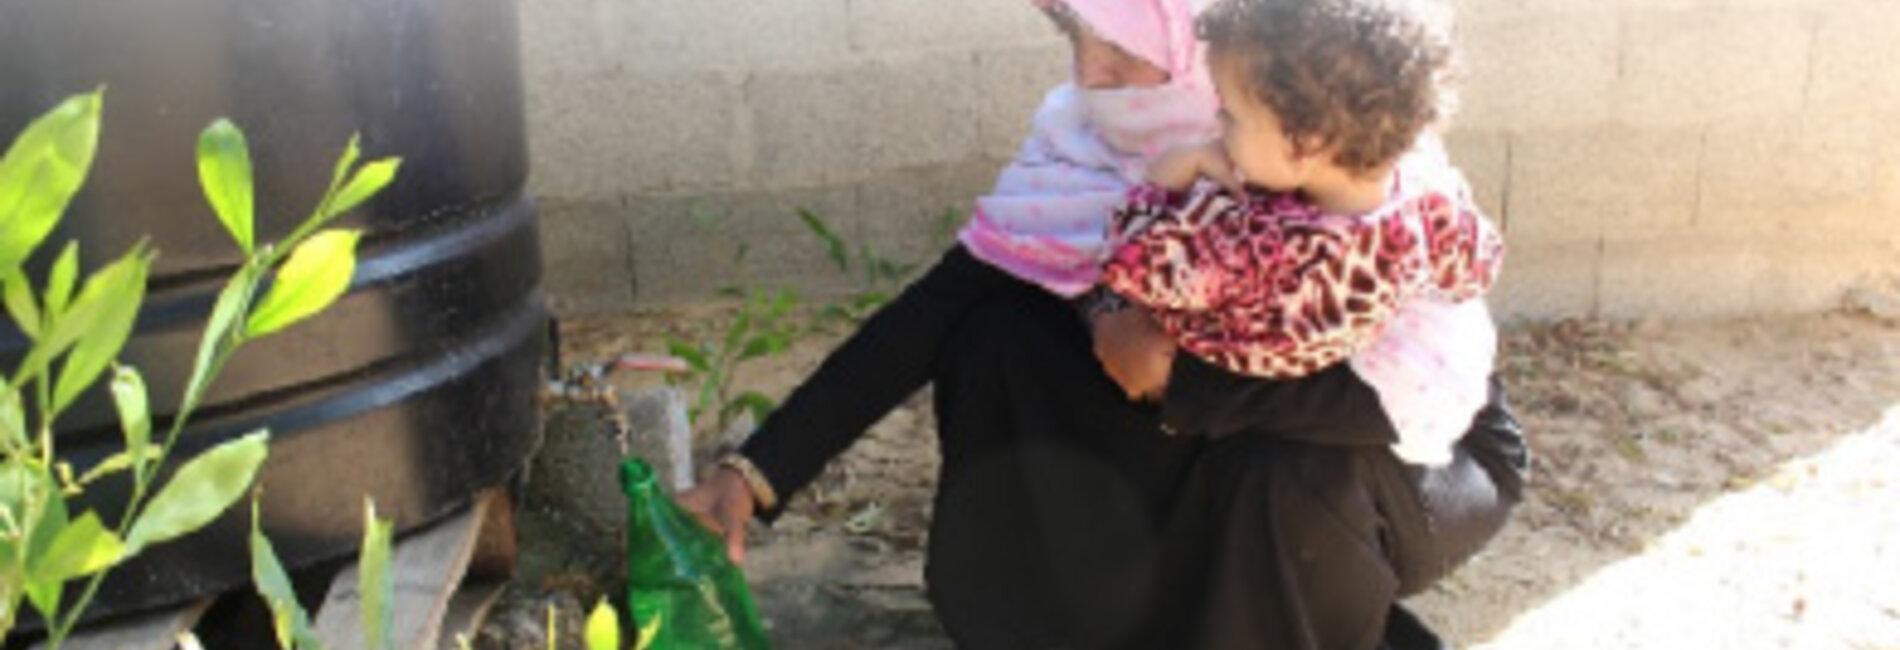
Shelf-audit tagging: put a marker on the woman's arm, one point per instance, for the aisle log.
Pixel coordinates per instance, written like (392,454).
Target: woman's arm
(1332,406)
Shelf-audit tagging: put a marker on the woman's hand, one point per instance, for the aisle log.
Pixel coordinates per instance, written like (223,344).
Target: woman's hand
(724,504)
(1134,350)
(1177,169)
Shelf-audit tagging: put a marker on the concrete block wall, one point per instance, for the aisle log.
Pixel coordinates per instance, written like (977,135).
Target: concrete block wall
(668,135)
(1684,158)
(1671,158)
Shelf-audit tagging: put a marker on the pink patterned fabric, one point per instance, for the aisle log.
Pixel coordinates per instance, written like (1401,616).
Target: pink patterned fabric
(1270,286)
(1046,220)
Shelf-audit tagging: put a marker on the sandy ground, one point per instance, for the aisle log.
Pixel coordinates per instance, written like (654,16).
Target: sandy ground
(1700,485)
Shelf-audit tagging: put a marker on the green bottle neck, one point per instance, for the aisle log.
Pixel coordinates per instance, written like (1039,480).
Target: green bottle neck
(657,529)
(648,514)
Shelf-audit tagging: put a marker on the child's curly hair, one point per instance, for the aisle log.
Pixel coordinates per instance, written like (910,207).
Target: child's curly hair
(1362,76)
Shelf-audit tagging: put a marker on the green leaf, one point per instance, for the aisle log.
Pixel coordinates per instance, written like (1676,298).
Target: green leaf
(758,346)
(48,523)
(98,305)
(603,628)
(135,415)
(708,393)
(694,356)
(340,173)
(59,286)
(224,170)
(104,312)
(834,245)
(373,583)
(83,548)
(41,172)
(288,618)
(45,596)
(12,419)
(755,403)
(735,332)
(200,491)
(648,632)
(344,163)
(782,302)
(834,313)
(118,462)
(317,274)
(232,302)
(365,183)
(869,300)
(21,305)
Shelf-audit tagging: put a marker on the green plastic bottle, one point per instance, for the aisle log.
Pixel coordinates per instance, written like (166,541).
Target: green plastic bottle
(678,574)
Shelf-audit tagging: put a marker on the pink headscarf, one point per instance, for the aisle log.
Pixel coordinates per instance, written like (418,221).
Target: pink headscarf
(1047,220)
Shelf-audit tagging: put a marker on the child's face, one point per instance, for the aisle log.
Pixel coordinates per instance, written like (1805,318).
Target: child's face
(1252,134)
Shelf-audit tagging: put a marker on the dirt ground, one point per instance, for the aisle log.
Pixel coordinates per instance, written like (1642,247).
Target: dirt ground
(1636,428)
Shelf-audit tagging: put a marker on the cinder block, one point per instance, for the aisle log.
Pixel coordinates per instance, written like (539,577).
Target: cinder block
(688,248)
(1545,279)
(605,136)
(885,26)
(1573,6)
(1708,65)
(586,266)
(913,217)
(1886,192)
(1794,162)
(561,39)
(836,126)
(1578,184)
(677,35)
(1682,273)
(1854,53)
(1817,257)
(1011,83)
(1545,69)
(1484,157)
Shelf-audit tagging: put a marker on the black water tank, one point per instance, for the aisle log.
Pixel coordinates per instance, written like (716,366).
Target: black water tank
(418,387)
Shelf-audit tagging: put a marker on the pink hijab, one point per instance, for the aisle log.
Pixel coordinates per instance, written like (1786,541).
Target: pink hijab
(1046,222)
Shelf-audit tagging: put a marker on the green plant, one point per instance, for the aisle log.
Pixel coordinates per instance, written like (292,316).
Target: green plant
(603,629)
(42,546)
(763,326)
(290,621)
(770,320)
(877,277)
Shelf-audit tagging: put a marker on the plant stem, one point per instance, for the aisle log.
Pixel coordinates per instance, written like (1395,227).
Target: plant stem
(43,392)
(141,483)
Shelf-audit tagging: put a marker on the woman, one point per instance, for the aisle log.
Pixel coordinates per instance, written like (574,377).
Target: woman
(1066,515)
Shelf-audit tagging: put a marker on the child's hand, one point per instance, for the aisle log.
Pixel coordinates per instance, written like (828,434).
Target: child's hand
(1135,352)
(1177,169)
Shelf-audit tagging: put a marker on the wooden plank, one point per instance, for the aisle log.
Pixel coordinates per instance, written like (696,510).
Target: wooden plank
(495,550)
(468,610)
(153,631)
(425,568)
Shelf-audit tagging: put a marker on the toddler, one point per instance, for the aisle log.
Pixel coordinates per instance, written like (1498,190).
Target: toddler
(1338,230)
